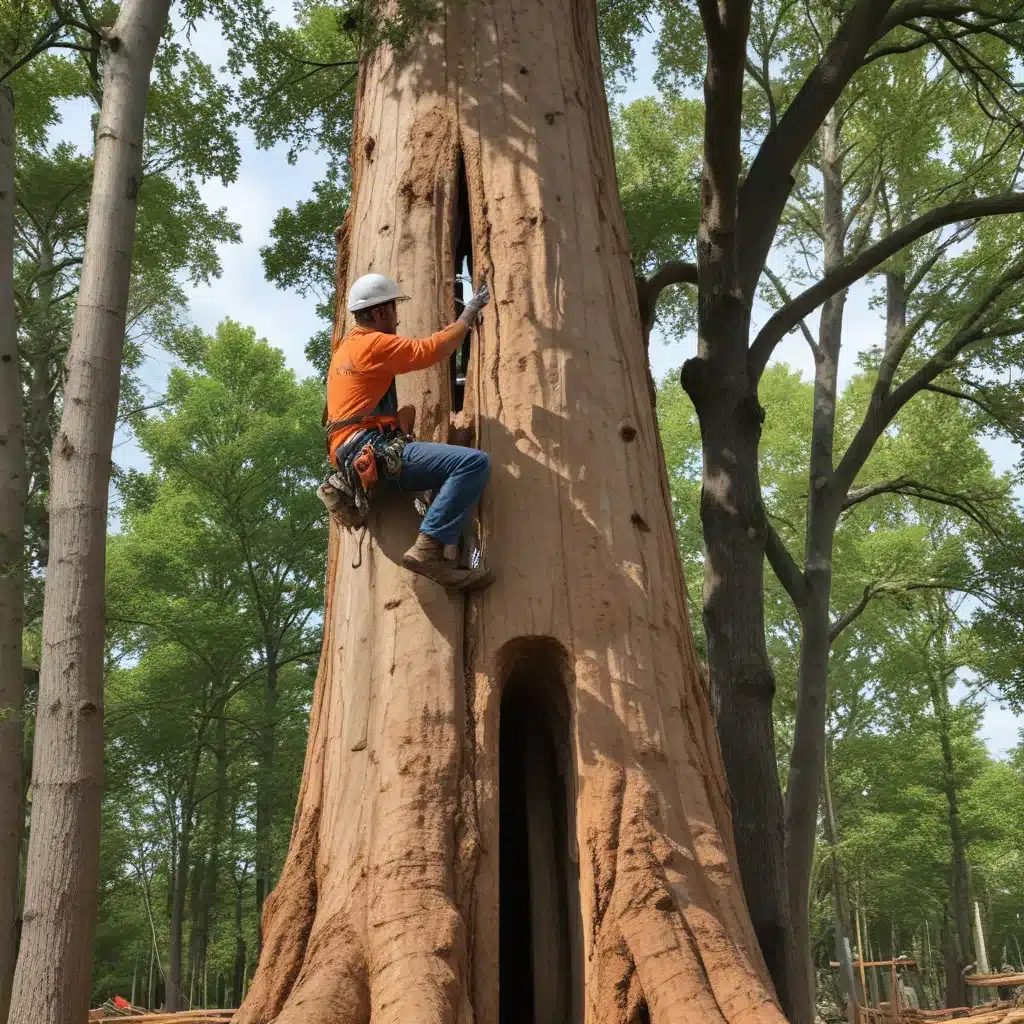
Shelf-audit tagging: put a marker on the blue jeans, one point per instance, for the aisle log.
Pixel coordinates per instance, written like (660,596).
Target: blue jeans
(457,476)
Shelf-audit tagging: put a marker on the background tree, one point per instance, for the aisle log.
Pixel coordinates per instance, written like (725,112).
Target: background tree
(12,519)
(49,984)
(243,438)
(740,218)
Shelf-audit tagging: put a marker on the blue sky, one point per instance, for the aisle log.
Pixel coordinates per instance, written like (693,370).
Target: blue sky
(266,182)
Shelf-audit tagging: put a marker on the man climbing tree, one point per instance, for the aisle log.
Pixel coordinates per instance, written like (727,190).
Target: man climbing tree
(366,439)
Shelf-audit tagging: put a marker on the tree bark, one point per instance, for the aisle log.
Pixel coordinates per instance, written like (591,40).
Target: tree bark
(807,760)
(53,978)
(724,394)
(12,525)
(390,897)
(960,933)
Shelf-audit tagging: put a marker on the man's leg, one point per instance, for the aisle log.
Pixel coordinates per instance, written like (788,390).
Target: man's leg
(458,476)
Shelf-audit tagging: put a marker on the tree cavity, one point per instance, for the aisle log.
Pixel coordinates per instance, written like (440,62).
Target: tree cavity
(540,932)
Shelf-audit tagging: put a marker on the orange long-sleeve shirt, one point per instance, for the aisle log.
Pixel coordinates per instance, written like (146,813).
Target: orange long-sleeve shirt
(363,367)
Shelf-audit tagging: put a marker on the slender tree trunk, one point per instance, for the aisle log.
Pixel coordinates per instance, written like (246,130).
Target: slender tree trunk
(960,935)
(981,954)
(956,990)
(724,394)
(13,482)
(392,894)
(195,895)
(841,908)
(742,682)
(44,371)
(238,980)
(208,894)
(807,759)
(179,888)
(53,979)
(265,789)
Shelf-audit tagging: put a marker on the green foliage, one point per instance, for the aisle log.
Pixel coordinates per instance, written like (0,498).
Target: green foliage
(302,256)
(215,581)
(658,151)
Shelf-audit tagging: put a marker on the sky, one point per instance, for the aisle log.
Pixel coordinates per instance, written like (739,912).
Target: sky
(266,182)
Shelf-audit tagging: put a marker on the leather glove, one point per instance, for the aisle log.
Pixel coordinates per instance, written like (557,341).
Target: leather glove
(472,308)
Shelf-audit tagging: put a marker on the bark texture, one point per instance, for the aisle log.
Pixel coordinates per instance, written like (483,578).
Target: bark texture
(12,524)
(724,394)
(388,906)
(53,978)
(807,763)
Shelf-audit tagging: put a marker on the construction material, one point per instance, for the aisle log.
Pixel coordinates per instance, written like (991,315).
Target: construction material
(182,1017)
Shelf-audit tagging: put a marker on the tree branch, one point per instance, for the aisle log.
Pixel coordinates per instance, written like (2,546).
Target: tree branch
(784,566)
(766,188)
(965,396)
(784,295)
(758,75)
(873,590)
(851,613)
(649,290)
(807,301)
(969,505)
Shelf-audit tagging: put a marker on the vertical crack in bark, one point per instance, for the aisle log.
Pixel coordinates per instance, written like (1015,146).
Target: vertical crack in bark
(467,830)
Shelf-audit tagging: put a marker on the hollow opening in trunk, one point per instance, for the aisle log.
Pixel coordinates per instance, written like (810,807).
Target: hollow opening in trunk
(462,278)
(540,931)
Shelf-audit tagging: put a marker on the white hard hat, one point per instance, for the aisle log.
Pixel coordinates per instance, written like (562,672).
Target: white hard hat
(373,290)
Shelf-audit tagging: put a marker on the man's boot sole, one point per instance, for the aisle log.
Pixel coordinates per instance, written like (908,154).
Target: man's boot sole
(462,581)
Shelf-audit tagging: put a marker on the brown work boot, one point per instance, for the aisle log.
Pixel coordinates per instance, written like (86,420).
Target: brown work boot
(426,557)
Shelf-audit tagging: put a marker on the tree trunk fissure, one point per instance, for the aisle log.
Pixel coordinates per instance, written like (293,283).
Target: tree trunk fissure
(389,898)
(53,977)
(13,489)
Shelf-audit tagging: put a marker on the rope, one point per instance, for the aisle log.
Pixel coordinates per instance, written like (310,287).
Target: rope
(358,560)
(481,536)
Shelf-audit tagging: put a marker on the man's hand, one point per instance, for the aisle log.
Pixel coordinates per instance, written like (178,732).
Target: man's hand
(472,309)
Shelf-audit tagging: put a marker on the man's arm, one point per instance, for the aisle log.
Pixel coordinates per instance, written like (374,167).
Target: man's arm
(402,355)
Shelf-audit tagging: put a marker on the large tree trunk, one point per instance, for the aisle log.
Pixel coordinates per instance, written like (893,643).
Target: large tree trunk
(12,524)
(53,977)
(807,760)
(392,893)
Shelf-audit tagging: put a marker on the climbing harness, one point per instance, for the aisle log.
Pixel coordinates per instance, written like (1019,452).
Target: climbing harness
(347,491)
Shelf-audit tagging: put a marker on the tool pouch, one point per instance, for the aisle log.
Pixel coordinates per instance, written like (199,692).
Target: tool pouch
(365,464)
